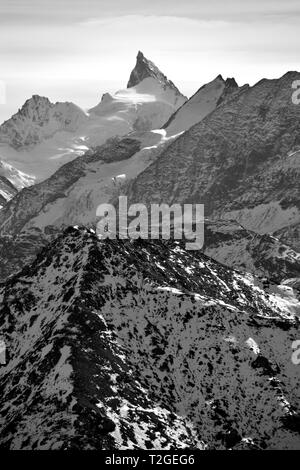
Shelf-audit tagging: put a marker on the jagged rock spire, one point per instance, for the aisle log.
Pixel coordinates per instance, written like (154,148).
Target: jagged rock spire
(144,68)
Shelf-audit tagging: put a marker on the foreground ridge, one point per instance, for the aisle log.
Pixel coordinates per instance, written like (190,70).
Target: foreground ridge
(122,344)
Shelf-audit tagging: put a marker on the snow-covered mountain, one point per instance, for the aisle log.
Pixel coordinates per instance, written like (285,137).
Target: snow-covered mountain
(126,345)
(42,135)
(39,119)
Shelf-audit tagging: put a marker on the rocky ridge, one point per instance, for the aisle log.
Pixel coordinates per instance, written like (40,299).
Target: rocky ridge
(123,345)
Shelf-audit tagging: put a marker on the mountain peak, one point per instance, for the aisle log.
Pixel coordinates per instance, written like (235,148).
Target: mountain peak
(140,55)
(145,68)
(231,82)
(36,100)
(219,77)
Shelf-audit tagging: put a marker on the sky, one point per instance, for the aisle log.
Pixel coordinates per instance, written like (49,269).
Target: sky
(76,50)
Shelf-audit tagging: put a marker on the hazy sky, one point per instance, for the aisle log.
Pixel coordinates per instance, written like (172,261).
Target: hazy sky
(78,49)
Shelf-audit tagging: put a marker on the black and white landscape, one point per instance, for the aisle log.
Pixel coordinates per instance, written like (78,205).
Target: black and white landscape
(143,344)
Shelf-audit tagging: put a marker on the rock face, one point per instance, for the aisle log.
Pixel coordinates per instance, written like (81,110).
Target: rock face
(123,345)
(241,161)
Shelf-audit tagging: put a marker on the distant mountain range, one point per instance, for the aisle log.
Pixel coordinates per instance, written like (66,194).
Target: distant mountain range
(42,135)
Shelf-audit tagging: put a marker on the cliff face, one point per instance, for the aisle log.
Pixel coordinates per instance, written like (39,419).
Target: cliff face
(141,344)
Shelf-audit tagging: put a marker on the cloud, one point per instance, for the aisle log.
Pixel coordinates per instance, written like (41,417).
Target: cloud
(71,11)
(182,46)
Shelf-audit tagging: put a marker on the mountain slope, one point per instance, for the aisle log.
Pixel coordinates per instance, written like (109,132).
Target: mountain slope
(241,161)
(262,255)
(233,158)
(203,102)
(71,196)
(111,341)
(73,193)
(17,178)
(143,107)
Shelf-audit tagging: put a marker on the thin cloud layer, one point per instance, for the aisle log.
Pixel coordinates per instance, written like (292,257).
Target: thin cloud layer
(47,42)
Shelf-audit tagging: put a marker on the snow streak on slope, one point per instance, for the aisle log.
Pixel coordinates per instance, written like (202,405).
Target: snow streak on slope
(7,190)
(17,178)
(12,180)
